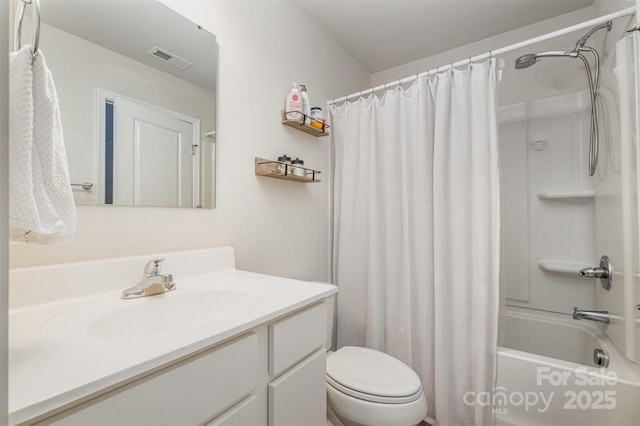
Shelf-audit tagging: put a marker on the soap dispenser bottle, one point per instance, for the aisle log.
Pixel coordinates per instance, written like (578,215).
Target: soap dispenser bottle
(306,104)
(294,105)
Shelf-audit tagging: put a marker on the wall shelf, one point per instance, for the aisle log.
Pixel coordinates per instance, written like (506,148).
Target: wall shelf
(562,267)
(306,126)
(583,194)
(280,170)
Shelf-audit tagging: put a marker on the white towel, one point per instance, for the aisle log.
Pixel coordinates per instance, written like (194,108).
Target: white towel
(41,207)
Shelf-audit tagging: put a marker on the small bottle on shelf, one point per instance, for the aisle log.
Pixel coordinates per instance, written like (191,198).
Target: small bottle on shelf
(294,105)
(316,118)
(306,104)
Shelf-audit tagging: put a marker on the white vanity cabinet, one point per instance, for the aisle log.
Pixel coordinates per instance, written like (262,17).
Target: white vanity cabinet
(190,392)
(272,374)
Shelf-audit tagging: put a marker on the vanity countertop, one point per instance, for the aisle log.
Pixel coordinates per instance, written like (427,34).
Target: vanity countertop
(71,348)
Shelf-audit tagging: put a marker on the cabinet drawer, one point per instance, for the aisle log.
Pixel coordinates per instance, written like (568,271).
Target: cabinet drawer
(296,336)
(242,414)
(298,397)
(189,392)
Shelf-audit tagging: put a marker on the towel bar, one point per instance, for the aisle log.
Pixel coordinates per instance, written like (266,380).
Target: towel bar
(85,185)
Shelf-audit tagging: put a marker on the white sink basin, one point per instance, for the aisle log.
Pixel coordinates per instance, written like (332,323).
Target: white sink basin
(169,313)
(110,317)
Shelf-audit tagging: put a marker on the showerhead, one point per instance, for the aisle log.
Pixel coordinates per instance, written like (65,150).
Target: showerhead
(525,61)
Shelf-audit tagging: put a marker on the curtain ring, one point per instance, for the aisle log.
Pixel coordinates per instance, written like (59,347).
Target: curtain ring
(490,55)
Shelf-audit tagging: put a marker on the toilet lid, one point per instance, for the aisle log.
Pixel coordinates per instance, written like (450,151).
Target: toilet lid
(373,375)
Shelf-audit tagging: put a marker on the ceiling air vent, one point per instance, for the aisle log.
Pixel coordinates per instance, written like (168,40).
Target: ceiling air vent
(170,58)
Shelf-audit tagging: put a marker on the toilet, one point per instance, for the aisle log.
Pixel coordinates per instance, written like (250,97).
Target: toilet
(366,387)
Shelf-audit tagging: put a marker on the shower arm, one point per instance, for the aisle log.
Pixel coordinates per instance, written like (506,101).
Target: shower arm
(581,43)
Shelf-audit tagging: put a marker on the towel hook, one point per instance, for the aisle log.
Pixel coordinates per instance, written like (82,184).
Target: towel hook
(35,26)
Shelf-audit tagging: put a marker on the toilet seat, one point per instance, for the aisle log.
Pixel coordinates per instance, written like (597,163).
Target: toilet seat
(371,375)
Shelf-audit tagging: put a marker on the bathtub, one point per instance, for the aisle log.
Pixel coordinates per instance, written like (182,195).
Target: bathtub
(547,376)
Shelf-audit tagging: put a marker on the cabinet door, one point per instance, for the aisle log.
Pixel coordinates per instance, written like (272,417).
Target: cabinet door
(298,397)
(187,393)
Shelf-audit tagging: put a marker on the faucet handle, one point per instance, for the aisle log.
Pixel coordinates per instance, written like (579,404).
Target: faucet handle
(604,272)
(152,268)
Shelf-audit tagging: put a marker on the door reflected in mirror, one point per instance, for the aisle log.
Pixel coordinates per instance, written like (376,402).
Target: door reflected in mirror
(136,83)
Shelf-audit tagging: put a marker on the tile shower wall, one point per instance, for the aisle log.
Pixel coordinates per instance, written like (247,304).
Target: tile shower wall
(544,152)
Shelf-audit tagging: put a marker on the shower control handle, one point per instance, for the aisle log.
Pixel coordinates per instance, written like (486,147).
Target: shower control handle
(604,272)
(594,273)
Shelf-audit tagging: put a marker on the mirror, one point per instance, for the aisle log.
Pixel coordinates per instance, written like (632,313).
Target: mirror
(136,84)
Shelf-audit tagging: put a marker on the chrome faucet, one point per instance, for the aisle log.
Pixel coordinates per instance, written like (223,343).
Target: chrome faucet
(152,282)
(599,316)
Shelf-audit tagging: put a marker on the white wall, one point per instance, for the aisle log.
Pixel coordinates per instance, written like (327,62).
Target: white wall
(603,7)
(277,227)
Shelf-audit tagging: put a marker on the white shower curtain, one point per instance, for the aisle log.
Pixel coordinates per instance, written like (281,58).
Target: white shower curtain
(417,234)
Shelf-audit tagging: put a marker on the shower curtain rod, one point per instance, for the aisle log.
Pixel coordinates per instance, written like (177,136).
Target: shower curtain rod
(587,24)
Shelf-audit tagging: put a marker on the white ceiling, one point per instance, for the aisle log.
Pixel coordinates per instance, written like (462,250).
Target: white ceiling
(382,34)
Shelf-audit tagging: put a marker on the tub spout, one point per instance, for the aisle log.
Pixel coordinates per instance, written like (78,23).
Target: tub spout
(599,316)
